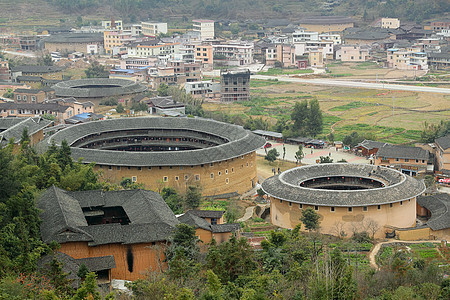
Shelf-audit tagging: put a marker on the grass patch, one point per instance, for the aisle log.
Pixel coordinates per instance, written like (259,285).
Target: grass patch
(365,65)
(355,104)
(278,71)
(372,113)
(341,75)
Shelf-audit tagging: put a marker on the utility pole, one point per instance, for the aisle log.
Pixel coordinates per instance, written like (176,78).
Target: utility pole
(393,105)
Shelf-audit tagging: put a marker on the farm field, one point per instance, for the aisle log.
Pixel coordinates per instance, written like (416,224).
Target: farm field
(390,116)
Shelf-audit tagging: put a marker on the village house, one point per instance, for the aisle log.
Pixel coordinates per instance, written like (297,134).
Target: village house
(204,53)
(137,63)
(442,153)
(133,226)
(393,23)
(331,24)
(407,59)
(151,48)
(112,24)
(114,40)
(5,73)
(316,58)
(164,106)
(29,96)
(46,72)
(281,53)
(136,75)
(191,71)
(349,53)
(369,148)
(209,225)
(409,160)
(87,43)
(12,128)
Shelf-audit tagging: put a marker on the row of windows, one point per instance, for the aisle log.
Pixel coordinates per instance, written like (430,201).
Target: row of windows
(24,98)
(349,209)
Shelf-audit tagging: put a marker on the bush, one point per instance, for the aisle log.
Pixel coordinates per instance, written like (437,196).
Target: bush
(109,102)
(361,237)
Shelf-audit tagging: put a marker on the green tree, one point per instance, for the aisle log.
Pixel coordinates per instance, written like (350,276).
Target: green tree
(272,155)
(163,90)
(82,271)
(315,122)
(299,154)
(193,196)
(9,93)
(45,60)
(96,70)
(310,219)
(325,160)
(88,289)
(120,109)
(300,115)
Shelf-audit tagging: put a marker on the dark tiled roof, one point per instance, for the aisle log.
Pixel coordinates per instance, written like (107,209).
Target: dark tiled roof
(444,142)
(37,69)
(369,145)
(13,127)
(240,142)
(392,151)
(439,206)
(103,87)
(34,106)
(221,228)
(215,214)
(28,91)
(326,20)
(195,221)
(75,38)
(70,266)
(100,263)
(287,187)
(63,219)
(29,78)
(163,102)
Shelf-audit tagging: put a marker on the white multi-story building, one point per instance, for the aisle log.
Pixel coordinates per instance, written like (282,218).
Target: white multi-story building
(392,23)
(152,49)
(111,24)
(328,37)
(153,29)
(200,89)
(407,59)
(235,53)
(301,35)
(205,27)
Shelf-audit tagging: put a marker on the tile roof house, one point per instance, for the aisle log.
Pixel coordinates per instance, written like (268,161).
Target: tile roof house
(132,226)
(409,160)
(443,153)
(12,128)
(209,225)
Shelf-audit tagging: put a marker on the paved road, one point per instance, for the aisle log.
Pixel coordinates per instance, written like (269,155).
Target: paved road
(26,54)
(357,84)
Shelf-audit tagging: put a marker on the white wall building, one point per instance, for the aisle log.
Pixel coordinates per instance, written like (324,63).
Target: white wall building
(205,27)
(153,29)
(235,53)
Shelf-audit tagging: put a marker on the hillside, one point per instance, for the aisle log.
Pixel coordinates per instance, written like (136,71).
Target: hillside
(51,12)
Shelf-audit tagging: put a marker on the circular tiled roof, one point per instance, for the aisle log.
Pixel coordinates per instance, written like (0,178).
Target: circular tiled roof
(397,186)
(238,141)
(97,87)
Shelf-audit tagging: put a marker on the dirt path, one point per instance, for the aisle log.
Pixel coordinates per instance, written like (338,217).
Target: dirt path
(373,253)
(248,214)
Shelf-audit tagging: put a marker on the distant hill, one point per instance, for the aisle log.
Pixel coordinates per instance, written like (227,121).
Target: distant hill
(42,11)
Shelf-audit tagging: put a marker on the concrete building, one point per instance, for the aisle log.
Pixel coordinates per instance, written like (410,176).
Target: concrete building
(152,48)
(234,53)
(281,53)
(206,29)
(112,24)
(392,23)
(349,53)
(203,89)
(316,58)
(204,53)
(235,85)
(407,59)
(5,73)
(157,152)
(137,63)
(153,29)
(328,37)
(191,71)
(114,39)
(347,197)
(440,24)
(46,72)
